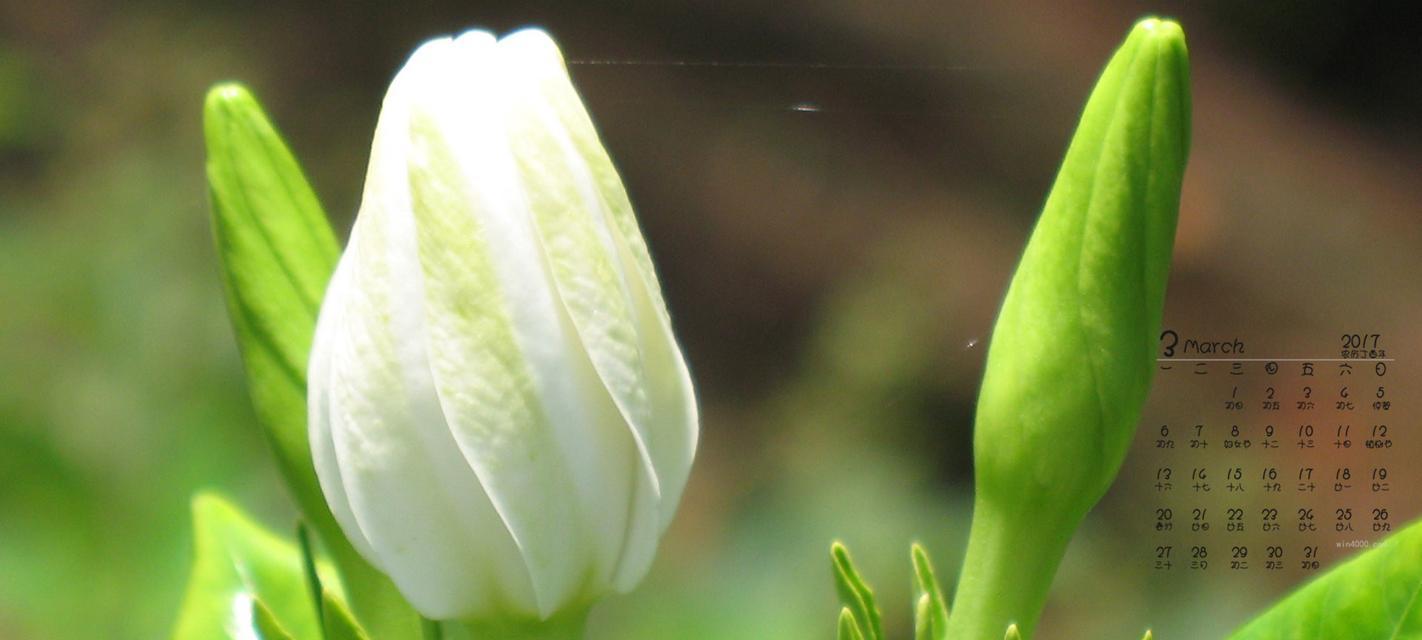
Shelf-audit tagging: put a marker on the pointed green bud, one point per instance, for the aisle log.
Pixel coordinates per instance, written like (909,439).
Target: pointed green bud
(848,626)
(855,593)
(1148,635)
(923,619)
(1072,353)
(1012,633)
(931,615)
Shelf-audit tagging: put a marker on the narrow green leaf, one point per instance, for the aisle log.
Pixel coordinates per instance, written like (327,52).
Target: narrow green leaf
(932,613)
(277,252)
(1377,594)
(236,565)
(855,593)
(314,589)
(337,620)
(430,630)
(266,623)
(848,626)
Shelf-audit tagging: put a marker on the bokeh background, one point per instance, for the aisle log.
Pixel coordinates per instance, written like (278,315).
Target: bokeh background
(835,206)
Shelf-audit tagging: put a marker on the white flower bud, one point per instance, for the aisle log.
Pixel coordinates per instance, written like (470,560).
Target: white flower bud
(500,416)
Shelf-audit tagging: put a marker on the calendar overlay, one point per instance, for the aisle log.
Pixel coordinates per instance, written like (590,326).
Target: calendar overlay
(1252,461)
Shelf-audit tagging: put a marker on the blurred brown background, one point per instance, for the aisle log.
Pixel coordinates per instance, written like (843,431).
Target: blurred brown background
(835,194)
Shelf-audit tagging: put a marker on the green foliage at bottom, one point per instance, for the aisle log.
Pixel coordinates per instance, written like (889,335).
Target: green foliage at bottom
(248,582)
(245,580)
(1376,595)
(860,618)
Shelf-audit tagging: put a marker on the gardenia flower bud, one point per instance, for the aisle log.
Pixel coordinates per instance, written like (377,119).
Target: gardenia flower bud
(500,416)
(1073,350)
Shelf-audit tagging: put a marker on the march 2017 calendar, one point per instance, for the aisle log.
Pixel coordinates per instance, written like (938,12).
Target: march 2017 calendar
(1272,458)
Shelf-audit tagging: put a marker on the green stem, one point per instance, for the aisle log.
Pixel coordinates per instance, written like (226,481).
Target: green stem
(1013,553)
(563,626)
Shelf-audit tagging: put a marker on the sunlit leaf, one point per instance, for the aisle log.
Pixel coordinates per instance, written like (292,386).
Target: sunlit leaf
(245,581)
(277,252)
(1377,594)
(265,623)
(337,620)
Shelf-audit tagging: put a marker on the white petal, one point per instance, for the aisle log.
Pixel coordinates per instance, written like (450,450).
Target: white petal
(323,448)
(590,296)
(427,517)
(524,402)
(608,284)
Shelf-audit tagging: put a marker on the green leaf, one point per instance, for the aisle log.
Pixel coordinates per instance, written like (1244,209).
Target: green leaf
(931,611)
(848,626)
(923,619)
(277,252)
(1012,633)
(855,594)
(314,588)
(337,620)
(266,623)
(1377,594)
(244,580)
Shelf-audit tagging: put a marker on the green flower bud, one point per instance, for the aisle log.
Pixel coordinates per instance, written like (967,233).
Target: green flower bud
(1072,354)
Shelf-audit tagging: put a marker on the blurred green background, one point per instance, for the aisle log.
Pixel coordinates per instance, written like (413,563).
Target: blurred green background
(835,210)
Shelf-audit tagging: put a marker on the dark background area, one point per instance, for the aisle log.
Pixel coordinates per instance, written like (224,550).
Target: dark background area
(835,194)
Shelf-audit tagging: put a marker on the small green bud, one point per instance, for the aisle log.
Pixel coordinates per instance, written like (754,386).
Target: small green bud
(848,626)
(1072,353)
(855,593)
